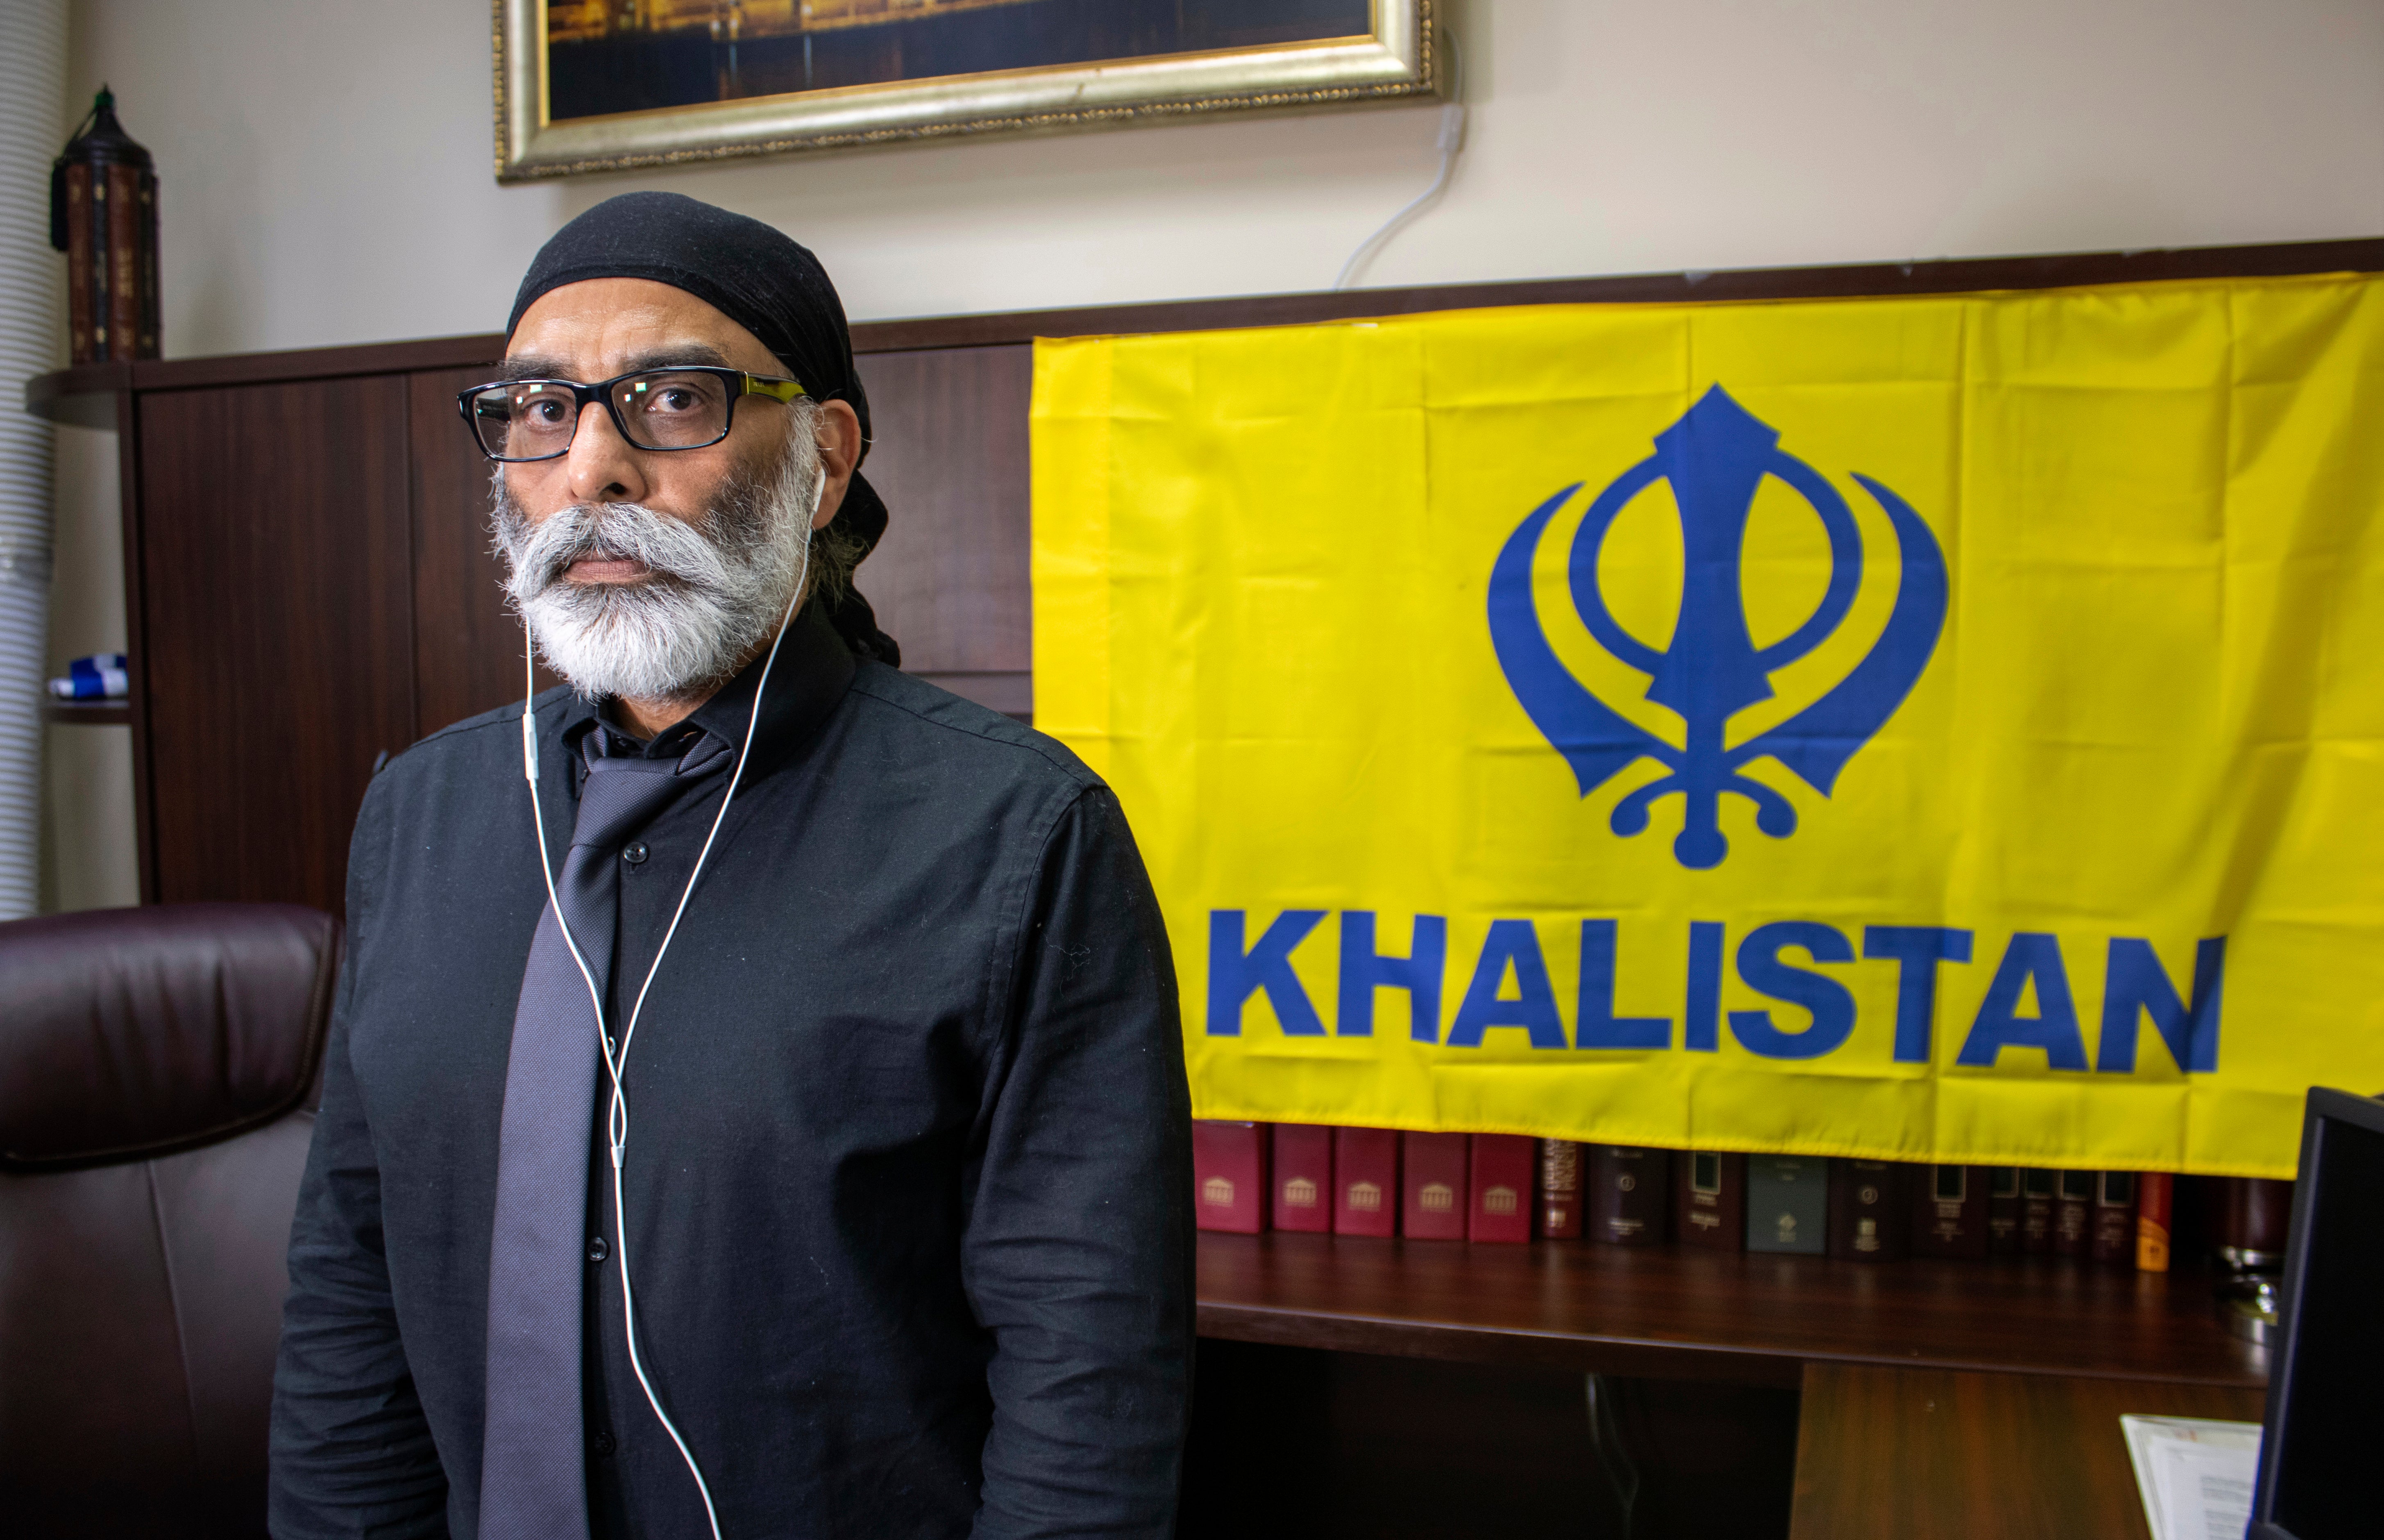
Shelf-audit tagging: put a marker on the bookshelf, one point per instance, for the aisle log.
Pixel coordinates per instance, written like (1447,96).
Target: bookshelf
(1671,1313)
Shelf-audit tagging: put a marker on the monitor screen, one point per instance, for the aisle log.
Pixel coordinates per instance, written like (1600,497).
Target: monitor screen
(2327,1384)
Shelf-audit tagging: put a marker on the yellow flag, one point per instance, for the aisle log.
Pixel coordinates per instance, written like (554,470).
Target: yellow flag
(1941,729)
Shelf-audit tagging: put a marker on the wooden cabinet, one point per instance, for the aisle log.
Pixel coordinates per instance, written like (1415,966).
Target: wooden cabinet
(312,585)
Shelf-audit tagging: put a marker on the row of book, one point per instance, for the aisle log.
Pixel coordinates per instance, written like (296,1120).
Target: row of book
(1511,1188)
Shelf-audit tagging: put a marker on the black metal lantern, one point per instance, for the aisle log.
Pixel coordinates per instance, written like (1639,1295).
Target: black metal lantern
(104,215)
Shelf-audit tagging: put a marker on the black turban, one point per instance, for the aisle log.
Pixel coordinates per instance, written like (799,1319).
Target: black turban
(764,283)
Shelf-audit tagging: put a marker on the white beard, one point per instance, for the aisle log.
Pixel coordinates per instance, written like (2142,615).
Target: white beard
(716,590)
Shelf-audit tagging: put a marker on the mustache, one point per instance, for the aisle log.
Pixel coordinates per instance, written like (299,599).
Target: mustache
(706,557)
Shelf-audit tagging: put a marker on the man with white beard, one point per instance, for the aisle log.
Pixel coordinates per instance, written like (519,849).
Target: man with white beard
(755,1101)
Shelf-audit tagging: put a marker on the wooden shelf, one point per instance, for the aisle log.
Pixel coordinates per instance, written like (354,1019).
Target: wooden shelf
(1665,1313)
(1918,1454)
(100,714)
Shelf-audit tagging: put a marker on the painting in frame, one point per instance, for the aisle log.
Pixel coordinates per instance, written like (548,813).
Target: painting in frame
(605,86)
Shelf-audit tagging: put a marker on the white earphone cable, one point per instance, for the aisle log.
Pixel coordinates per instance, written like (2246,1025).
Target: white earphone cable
(617,1115)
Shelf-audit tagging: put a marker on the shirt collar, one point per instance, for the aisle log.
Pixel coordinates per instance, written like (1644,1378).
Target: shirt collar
(813,669)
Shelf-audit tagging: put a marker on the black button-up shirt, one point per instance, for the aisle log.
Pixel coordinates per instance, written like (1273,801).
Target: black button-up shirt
(907,1179)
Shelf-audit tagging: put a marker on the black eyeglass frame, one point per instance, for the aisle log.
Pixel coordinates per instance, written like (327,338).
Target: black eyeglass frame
(785,392)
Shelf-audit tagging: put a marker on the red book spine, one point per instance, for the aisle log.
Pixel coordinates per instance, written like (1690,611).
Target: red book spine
(1709,1209)
(2113,1240)
(2156,1192)
(1498,1186)
(1229,1175)
(1560,1189)
(1630,1188)
(1949,1210)
(1433,1186)
(1365,1181)
(2035,1210)
(1302,1179)
(2073,1207)
(1871,1212)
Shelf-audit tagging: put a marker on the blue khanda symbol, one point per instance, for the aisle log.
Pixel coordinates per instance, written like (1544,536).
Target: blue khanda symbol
(1715,457)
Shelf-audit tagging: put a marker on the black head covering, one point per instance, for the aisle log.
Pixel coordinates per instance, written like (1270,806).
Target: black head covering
(764,283)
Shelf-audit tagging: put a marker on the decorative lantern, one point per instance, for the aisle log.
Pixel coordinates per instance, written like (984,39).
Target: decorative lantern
(104,215)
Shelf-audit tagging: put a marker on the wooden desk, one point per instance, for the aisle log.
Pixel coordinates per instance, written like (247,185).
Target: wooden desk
(1670,1312)
(1913,1454)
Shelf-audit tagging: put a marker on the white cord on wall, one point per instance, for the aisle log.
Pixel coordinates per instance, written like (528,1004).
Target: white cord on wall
(1452,138)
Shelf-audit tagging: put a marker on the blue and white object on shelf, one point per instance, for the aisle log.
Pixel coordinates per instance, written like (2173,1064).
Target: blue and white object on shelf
(100,677)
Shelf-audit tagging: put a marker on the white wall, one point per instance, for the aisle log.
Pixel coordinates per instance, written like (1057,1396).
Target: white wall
(326,169)
(325,165)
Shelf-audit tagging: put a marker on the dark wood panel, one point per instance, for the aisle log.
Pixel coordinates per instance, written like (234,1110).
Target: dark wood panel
(278,651)
(949,456)
(1297,1442)
(1906,1454)
(1674,1313)
(467,647)
(133,528)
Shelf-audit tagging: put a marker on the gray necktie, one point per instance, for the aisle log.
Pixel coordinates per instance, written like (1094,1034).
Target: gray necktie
(533,1464)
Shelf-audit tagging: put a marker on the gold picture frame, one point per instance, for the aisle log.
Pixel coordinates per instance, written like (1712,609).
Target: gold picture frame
(1396,56)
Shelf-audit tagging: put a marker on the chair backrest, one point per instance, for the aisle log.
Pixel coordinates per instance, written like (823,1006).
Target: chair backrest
(157,1074)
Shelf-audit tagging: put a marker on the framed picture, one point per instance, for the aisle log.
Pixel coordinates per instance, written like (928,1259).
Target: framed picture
(602,85)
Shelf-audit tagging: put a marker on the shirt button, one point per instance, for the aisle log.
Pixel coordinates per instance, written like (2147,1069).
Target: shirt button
(604,1442)
(597,1250)
(635,852)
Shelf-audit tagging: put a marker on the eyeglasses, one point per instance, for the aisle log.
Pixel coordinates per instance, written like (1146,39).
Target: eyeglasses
(688,407)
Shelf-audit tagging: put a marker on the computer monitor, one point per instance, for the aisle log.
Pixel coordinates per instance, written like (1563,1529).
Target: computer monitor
(2319,1477)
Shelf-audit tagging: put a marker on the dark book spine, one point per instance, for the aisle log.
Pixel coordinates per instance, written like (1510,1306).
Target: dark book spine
(2155,1191)
(1560,1189)
(1949,1210)
(1365,1181)
(1302,1178)
(2073,1205)
(2251,1216)
(1433,1186)
(2035,1210)
(2113,1240)
(1498,1182)
(1229,1175)
(123,184)
(1871,1212)
(81,295)
(1629,1191)
(1787,1204)
(2003,1211)
(1709,1207)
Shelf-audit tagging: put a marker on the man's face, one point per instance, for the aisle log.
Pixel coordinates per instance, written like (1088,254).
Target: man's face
(652,574)
(610,325)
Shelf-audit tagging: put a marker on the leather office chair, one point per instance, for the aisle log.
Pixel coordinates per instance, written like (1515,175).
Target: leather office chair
(157,1081)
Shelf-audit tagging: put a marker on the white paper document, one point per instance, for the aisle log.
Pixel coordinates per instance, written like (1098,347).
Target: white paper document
(2196,1474)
